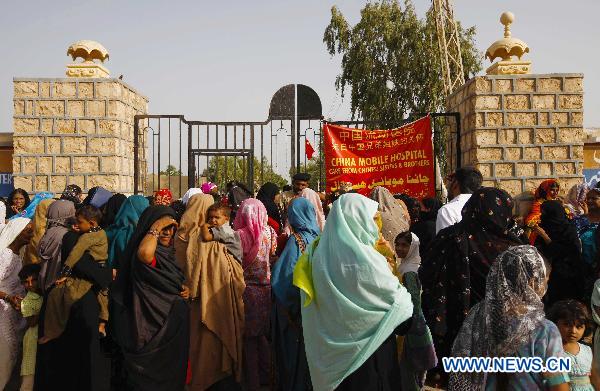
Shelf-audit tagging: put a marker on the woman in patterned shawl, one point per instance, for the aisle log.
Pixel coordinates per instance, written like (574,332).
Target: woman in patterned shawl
(454,270)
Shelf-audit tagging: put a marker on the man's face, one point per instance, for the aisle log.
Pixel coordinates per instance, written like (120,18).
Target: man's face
(452,186)
(299,185)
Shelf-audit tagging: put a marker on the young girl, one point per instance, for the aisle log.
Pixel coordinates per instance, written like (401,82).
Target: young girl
(30,309)
(572,319)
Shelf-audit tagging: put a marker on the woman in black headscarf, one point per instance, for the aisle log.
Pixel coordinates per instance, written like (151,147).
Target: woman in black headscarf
(111,208)
(149,314)
(425,227)
(268,194)
(454,271)
(236,193)
(558,241)
(76,360)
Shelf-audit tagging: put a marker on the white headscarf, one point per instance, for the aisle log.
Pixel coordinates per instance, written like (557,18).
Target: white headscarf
(12,230)
(412,261)
(188,194)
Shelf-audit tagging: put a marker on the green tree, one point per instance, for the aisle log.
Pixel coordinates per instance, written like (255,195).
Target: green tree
(171,171)
(391,61)
(222,169)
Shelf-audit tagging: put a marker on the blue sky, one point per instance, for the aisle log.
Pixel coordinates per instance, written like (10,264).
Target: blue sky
(215,60)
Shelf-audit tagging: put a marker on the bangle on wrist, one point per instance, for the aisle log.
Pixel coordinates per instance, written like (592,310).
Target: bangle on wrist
(154,233)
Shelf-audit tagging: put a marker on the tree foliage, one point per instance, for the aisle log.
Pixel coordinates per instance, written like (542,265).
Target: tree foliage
(222,169)
(391,62)
(171,170)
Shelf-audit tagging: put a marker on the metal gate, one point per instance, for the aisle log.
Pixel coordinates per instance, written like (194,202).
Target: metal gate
(170,151)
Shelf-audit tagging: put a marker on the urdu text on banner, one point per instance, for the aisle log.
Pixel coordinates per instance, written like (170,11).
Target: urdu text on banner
(399,159)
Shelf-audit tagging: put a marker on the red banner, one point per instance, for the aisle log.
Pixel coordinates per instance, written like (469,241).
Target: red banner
(399,159)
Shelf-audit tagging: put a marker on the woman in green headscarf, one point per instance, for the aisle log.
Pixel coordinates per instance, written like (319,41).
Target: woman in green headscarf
(120,231)
(353,304)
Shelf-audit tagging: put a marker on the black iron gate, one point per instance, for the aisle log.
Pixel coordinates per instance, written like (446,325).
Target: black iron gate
(170,151)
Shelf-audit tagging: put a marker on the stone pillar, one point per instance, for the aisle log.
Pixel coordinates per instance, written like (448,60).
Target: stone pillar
(521,129)
(74,131)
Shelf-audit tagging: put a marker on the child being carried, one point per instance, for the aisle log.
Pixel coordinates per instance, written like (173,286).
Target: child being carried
(217,228)
(69,289)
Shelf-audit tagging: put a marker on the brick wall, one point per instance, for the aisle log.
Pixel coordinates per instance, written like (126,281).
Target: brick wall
(73,130)
(521,129)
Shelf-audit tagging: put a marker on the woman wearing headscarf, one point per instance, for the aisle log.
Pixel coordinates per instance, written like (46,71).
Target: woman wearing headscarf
(286,321)
(587,228)
(209,188)
(16,203)
(29,211)
(190,193)
(596,316)
(149,313)
(454,270)
(16,234)
(97,196)
(343,278)
(546,191)
(111,208)
(510,322)
(122,229)
(269,195)
(418,353)
(72,193)
(315,200)
(216,282)
(59,219)
(39,228)
(576,198)
(425,227)
(237,192)
(557,240)
(188,230)
(392,216)
(259,243)
(77,360)
(162,197)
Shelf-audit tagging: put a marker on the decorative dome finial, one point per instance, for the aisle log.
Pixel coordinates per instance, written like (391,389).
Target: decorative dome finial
(505,49)
(88,51)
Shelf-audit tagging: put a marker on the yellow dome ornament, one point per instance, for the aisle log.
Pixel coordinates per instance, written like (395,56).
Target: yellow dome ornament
(89,51)
(507,48)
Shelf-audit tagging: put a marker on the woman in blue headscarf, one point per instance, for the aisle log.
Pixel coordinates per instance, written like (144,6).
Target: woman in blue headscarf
(286,321)
(353,305)
(120,231)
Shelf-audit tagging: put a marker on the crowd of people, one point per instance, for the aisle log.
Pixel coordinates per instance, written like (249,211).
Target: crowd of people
(292,289)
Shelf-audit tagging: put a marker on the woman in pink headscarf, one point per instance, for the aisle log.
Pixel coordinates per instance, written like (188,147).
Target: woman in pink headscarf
(259,243)
(315,200)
